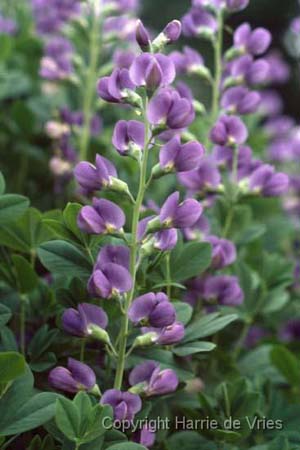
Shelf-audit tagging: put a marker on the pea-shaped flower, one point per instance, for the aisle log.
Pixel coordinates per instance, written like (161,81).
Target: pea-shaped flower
(114,89)
(229,130)
(246,70)
(206,177)
(78,322)
(103,217)
(125,405)
(154,380)
(170,110)
(174,214)
(269,183)
(169,335)
(240,100)
(256,42)
(76,377)
(178,157)
(223,252)
(95,177)
(151,309)
(224,289)
(152,70)
(129,137)
(116,254)
(109,280)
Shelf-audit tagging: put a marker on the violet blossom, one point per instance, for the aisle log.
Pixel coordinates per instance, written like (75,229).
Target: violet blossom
(103,217)
(154,381)
(76,377)
(78,321)
(125,404)
(153,310)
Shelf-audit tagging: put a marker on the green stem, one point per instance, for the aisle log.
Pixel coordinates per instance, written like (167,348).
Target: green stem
(168,275)
(133,256)
(22,323)
(218,47)
(242,338)
(82,349)
(228,222)
(89,88)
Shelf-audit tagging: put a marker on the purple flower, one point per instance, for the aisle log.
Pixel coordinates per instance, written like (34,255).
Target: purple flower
(109,280)
(95,177)
(76,377)
(7,26)
(224,156)
(195,290)
(117,254)
(178,157)
(114,88)
(229,130)
(198,22)
(290,331)
(240,100)
(169,109)
(172,31)
(129,137)
(142,36)
(224,289)
(237,5)
(152,70)
(156,381)
(145,437)
(271,103)
(245,69)
(125,405)
(120,27)
(153,310)
(255,42)
(77,321)
(164,240)
(123,58)
(179,215)
(280,70)
(206,177)
(189,61)
(57,62)
(172,334)
(223,252)
(199,230)
(51,15)
(103,217)
(268,182)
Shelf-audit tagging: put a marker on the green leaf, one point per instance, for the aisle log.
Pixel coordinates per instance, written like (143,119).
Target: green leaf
(5,315)
(34,413)
(194,347)
(287,364)
(127,446)
(12,365)
(207,326)
(12,207)
(2,184)
(63,258)
(275,300)
(67,418)
(189,260)
(26,276)
(184,312)
(70,215)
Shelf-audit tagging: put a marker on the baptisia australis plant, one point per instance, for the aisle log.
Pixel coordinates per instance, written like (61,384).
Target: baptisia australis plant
(143,255)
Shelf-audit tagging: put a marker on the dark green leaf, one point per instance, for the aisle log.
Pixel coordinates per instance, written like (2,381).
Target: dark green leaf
(63,258)
(67,418)
(194,347)
(12,365)
(287,364)
(26,277)
(207,326)
(12,207)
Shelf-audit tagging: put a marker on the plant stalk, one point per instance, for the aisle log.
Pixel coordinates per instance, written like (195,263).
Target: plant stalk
(133,255)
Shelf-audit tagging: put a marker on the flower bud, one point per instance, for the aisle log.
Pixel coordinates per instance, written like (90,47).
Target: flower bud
(142,37)
(99,334)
